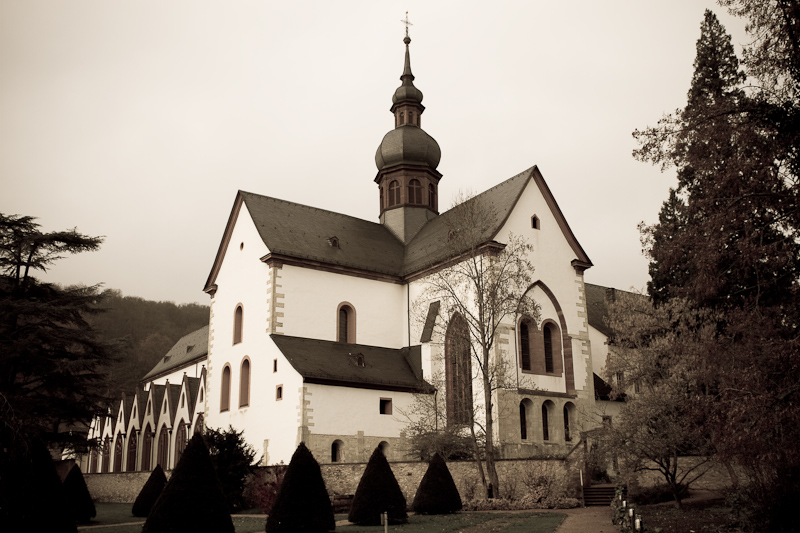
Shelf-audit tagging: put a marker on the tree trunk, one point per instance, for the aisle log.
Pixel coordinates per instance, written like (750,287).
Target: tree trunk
(491,469)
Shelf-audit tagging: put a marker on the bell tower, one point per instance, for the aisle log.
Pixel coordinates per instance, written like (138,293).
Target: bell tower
(407,158)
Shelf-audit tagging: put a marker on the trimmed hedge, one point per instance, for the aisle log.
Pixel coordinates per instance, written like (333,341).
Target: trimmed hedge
(437,492)
(150,492)
(193,499)
(378,492)
(79,501)
(302,503)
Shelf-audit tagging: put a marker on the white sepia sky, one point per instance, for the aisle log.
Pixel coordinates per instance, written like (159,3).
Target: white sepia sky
(140,119)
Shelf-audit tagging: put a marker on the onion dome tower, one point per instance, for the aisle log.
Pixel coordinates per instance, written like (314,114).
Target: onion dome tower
(407,159)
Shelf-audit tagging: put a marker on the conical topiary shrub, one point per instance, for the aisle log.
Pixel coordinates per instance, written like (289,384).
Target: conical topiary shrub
(437,492)
(150,492)
(32,497)
(192,500)
(79,501)
(378,492)
(302,503)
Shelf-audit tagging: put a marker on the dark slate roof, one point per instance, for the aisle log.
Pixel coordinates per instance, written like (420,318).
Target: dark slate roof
(189,348)
(141,405)
(336,363)
(173,397)
(597,306)
(192,388)
(158,396)
(602,390)
(301,231)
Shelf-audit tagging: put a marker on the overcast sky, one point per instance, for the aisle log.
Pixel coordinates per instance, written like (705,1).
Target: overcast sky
(139,120)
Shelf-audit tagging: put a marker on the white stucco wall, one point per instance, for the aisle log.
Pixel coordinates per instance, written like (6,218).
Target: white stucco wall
(312,302)
(348,410)
(599,351)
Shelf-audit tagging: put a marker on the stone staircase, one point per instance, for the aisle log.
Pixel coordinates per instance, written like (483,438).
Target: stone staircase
(598,495)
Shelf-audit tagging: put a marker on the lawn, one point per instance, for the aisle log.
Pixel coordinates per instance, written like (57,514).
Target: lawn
(705,516)
(111,517)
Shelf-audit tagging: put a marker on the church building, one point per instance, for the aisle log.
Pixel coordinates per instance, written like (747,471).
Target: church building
(315,332)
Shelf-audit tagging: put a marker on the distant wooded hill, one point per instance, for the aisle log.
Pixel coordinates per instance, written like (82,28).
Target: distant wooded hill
(142,332)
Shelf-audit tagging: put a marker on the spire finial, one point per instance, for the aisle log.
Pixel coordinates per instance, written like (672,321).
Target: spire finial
(407,23)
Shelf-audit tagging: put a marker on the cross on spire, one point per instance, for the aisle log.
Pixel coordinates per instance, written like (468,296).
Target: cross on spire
(406,22)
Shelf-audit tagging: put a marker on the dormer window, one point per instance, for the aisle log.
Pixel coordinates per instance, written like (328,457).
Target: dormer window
(333,242)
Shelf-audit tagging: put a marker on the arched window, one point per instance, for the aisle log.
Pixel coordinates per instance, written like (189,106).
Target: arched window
(106,454)
(133,443)
(225,390)
(336,451)
(180,441)
(346,324)
(162,456)
(548,348)
(93,455)
(381,195)
(199,425)
(432,196)
(414,192)
(523,421)
(569,410)
(147,449)
(546,420)
(238,316)
(394,193)
(458,371)
(119,448)
(524,345)
(244,384)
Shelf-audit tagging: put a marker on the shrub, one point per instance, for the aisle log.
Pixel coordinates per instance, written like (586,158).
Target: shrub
(232,458)
(150,492)
(378,492)
(546,488)
(524,503)
(28,480)
(302,503)
(79,501)
(262,486)
(437,492)
(193,499)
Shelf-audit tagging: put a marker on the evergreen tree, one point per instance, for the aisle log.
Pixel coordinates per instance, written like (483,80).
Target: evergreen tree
(437,492)
(79,501)
(233,461)
(193,499)
(302,503)
(52,364)
(727,248)
(378,492)
(150,492)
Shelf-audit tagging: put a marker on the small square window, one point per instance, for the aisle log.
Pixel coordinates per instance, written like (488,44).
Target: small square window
(274,365)
(386,406)
(279,392)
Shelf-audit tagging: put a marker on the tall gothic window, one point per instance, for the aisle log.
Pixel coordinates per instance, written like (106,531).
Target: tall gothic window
(225,390)
(132,448)
(180,441)
(546,420)
(147,449)
(431,196)
(119,447)
(106,454)
(567,409)
(524,346)
(394,193)
(237,324)
(458,374)
(548,348)
(244,384)
(414,192)
(523,421)
(163,449)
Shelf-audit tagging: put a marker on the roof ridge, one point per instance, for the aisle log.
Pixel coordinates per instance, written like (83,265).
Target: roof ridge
(311,207)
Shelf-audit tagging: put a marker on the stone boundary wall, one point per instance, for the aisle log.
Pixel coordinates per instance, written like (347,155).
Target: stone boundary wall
(716,478)
(343,478)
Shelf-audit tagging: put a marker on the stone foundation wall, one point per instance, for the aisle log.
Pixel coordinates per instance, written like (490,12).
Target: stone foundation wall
(117,488)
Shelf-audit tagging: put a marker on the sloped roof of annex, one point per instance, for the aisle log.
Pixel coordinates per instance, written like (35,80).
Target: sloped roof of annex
(336,363)
(293,231)
(189,349)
